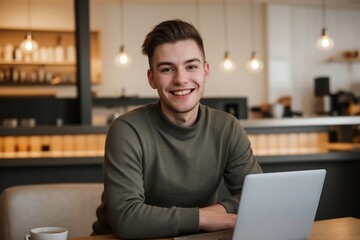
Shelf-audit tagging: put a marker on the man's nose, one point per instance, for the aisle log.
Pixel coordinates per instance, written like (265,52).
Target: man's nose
(181,76)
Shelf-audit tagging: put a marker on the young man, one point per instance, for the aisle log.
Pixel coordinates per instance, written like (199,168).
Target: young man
(164,162)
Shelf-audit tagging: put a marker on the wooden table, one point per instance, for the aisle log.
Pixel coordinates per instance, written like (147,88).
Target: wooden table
(333,229)
(336,229)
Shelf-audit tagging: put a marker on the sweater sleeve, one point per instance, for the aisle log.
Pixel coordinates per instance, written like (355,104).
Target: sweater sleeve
(129,215)
(240,162)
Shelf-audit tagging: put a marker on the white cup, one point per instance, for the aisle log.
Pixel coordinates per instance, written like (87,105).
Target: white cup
(277,110)
(47,233)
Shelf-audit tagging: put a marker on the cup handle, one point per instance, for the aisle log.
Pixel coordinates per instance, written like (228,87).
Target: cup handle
(27,237)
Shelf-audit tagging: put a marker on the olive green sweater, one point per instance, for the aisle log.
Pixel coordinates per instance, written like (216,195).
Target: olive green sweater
(157,174)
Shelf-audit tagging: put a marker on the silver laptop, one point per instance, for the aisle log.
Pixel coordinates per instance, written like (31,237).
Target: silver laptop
(274,206)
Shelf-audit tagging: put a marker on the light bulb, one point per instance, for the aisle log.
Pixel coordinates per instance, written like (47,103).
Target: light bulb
(325,42)
(254,64)
(122,59)
(29,45)
(227,65)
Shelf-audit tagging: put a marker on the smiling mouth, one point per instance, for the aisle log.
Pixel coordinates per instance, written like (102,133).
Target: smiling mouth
(182,92)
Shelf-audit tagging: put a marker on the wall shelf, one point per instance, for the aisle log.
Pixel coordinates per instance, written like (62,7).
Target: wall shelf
(33,69)
(25,63)
(35,84)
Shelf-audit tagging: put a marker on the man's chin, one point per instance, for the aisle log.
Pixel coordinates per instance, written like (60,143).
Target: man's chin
(186,108)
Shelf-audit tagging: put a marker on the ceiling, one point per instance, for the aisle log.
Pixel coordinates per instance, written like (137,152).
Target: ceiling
(329,3)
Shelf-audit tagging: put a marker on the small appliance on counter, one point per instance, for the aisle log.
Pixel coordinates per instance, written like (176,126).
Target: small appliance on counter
(322,96)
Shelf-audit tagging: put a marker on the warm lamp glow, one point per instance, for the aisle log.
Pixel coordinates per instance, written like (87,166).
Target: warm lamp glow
(122,59)
(227,65)
(29,45)
(325,42)
(254,64)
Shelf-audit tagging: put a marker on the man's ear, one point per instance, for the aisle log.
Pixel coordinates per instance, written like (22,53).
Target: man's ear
(207,71)
(150,76)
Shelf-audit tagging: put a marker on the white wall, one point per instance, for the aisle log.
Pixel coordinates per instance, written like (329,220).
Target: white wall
(294,61)
(298,27)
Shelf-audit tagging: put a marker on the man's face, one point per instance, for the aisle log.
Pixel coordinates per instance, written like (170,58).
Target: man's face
(178,74)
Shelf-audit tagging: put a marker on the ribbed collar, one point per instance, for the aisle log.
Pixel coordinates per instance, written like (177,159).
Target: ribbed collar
(177,131)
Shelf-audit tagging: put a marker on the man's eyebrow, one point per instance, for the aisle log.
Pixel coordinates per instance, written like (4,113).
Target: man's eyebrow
(193,60)
(171,64)
(164,63)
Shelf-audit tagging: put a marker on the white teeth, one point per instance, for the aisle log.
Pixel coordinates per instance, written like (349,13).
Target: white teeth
(181,93)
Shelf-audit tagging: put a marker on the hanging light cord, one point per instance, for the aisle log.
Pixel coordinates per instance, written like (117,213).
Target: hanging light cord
(122,22)
(323,13)
(28,5)
(225,25)
(252,25)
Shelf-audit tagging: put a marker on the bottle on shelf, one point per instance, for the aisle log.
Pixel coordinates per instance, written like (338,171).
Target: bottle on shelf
(2,75)
(8,74)
(41,75)
(32,77)
(70,54)
(59,50)
(23,76)
(50,54)
(36,56)
(43,54)
(8,52)
(18,54)
(15,75)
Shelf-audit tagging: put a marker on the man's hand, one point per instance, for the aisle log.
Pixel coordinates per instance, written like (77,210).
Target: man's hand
(215,218)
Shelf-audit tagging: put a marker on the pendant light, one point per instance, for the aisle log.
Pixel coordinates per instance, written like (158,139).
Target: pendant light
(254,64)
(226,65)
(325,42)
(29,45)
(122,59)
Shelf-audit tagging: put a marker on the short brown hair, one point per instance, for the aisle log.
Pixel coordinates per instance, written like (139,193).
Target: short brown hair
(169,32)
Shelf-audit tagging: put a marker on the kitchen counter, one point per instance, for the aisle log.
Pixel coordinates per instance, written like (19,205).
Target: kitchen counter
(301,121)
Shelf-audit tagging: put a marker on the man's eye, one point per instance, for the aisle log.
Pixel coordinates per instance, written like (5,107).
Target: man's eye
(192,67)
(164,70)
